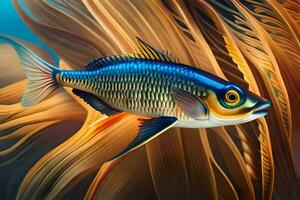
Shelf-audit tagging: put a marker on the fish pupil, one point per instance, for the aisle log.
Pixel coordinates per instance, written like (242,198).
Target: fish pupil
(232,97)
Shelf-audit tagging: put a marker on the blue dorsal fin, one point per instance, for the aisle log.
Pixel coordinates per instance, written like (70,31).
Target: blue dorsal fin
(147,52)
(96,103)
(149,129)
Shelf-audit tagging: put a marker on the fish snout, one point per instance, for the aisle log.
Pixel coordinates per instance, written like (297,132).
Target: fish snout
(260,108)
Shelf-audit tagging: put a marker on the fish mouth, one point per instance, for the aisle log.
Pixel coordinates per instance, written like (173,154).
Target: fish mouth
(260,108)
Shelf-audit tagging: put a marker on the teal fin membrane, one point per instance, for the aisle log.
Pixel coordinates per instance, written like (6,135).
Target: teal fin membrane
(96,103)
(149,129)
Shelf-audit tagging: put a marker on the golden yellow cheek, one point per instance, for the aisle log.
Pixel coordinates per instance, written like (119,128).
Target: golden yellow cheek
(216,109)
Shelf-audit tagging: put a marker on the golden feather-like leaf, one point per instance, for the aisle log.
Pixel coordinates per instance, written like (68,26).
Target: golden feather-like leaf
(125,178)
(252,43)
(167,166)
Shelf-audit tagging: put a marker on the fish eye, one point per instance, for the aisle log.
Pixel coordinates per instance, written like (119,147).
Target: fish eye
(232,97)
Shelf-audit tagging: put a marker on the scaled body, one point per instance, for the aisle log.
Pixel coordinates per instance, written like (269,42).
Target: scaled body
(142,87)
(150,84)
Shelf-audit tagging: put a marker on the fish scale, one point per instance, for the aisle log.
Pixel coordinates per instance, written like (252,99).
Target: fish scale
(136,86)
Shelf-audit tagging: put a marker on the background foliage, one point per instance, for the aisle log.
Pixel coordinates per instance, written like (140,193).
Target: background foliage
(57,152)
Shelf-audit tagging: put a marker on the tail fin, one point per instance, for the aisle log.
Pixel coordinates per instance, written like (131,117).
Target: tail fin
(41,75)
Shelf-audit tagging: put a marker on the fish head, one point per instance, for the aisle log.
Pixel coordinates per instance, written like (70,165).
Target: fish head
(232,104)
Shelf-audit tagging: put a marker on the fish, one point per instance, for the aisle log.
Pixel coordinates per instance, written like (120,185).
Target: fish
(150,84)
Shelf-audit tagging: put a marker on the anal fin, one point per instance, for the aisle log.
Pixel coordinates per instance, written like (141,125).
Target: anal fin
(149,129)
(96,103)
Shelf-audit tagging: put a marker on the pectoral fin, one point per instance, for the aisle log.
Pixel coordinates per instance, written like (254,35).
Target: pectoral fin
(190,104)
(149,129)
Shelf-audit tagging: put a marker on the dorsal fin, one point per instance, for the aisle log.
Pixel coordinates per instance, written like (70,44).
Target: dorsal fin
(100,62)
(147,52)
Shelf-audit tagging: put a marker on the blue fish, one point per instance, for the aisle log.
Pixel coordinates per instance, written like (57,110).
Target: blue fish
(151,84)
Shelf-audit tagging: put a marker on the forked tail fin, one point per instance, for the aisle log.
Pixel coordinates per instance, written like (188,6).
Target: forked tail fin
(41,75)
